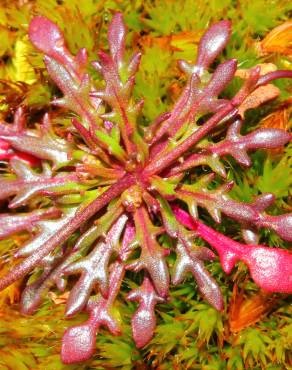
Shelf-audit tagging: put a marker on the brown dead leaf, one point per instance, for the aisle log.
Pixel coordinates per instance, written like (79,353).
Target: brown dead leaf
(280,117)
(174,91)
(178,42)
(11,294)
(185,40)
(279,40)
(59,299)
(265,68)
(244,312)
(261,95)
(20,238)
(149,41)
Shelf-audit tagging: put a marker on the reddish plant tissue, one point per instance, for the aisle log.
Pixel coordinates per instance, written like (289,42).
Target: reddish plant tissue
(118,188)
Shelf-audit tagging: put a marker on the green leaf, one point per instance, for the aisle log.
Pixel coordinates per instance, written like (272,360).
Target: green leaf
(112,145)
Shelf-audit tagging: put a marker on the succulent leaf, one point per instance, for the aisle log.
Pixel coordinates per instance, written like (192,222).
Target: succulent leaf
(10,224)
(78,342)
(30,183)
(271,268)
(43,143)
(144,321)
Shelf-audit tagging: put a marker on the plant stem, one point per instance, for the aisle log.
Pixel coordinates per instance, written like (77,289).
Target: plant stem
(166,159)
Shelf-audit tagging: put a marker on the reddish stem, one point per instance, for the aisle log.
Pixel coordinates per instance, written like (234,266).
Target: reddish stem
(263,80)
(166,159)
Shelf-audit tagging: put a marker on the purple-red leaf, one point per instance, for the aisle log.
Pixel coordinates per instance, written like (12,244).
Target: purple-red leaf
(191,261)
(237,145)
(144,321)
(48,38)
(93,270)
(11,224)
(153,255)
(7,153)
(30,184)
(79,341)
(212,43)
(116,38)
(42,143)
(281,224)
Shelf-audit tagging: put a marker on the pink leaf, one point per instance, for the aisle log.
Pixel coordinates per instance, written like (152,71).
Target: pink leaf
(41,143)
(271,268)
(46,36)
(144,321)
(7,153)
(212,43)
(10,224)
(281,224)
(152,256)
(78,343)
(116,38)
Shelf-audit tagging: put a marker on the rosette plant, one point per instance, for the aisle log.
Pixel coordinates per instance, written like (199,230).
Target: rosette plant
(109,194)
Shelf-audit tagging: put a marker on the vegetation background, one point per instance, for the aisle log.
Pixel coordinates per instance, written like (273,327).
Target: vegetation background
(255,330)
